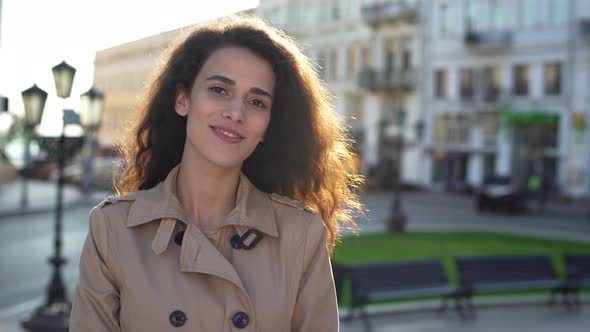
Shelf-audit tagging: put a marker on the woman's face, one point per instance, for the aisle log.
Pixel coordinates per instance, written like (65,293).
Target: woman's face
(228,108)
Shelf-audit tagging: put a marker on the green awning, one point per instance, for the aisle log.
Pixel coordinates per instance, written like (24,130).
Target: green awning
(532,118)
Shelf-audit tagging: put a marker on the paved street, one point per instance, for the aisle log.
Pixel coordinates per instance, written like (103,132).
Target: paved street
(26,243)
(513,318)
(445,211)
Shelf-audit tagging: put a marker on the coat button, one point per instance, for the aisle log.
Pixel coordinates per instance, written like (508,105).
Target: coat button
(178,238)
(241,320)
(235,242)
(177,318)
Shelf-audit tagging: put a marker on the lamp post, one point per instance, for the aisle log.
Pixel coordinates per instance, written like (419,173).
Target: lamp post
(3,104)
(54,314)
(34,100)
(396,222)
(90,116)
(3,134)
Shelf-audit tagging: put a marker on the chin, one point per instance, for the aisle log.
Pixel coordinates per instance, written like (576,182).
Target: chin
(226,163)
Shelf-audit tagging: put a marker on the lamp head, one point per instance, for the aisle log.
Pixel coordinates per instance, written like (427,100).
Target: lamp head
(34,100)
(64,79)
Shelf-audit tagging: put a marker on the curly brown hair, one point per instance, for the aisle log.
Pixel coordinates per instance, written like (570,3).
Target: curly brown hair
(307,152)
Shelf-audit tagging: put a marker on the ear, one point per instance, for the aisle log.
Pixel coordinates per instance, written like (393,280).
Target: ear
(182,104)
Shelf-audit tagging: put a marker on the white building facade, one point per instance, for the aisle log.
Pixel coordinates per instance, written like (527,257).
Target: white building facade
(509,92)
(368,53)
(477,87)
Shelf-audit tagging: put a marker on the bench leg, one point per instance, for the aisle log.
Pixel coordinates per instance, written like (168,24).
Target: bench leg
(353,308)
(464,307)
(365,319)
(551,300)
(577,300)
(444,304)
(572,298)
(564,292)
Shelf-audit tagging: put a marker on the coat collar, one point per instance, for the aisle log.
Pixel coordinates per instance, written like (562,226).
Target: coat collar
(253,207)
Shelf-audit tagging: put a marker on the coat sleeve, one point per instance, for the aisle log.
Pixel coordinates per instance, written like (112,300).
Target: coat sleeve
(316,308)
(95,306)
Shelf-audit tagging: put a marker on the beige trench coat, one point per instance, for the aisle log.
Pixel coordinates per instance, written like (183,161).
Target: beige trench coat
(144,267)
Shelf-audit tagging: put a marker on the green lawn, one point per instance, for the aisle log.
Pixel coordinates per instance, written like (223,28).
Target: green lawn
(446,245)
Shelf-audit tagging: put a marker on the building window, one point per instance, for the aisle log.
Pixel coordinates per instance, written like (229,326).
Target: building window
(499,15)
(474,13)
(335,10)
(367,57)
(351,62)
(521,80)
(439,129)
(443,19)
(558,11)
(490,122)
(451,128)
(406,59)
(553,79)
(466,83)
(491,83)
(458,130)
(389,61)
(333,65)
(325,11)
(441,83)
(321,68)
(489,166)
(448,17)
(529,13)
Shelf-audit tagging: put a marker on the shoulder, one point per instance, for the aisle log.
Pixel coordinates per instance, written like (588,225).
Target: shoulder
(296,217)
(288,203)
(114,206)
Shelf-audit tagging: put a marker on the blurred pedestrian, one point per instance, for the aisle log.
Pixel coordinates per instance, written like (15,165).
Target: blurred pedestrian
(533,188)
(545,190)
(238,159)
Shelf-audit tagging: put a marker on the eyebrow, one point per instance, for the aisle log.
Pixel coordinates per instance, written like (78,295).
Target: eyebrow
(229,81)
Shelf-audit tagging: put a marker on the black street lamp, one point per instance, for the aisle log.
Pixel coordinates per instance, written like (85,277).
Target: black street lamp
(3,104)
(34,100)
(54,314)
(397,220)
(90,116)
(63,75)
(4,125)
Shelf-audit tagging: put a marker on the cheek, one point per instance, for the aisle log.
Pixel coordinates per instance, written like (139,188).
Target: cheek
(260,124)
(203,107)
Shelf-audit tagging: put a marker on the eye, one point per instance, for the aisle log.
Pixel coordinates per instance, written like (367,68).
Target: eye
(258,103)
(218,90)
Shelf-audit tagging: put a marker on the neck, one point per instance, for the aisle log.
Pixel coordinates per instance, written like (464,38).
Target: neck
(207,194)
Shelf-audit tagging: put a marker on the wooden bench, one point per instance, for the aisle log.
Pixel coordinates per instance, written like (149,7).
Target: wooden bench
(396,281)
(508,273)
(578,274)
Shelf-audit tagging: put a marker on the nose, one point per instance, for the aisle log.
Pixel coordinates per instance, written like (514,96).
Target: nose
(234,110)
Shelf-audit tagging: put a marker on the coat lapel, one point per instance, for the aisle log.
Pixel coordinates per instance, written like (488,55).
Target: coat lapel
(199,255)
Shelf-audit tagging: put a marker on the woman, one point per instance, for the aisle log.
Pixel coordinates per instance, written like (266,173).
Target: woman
(240,161)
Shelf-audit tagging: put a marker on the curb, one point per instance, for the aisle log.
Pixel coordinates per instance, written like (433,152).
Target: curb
(92,201)
(379,310)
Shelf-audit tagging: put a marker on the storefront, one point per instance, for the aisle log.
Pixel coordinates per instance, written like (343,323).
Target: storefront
(533,136)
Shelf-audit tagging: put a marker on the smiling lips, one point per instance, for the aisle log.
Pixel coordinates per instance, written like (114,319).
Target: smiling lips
(227,135)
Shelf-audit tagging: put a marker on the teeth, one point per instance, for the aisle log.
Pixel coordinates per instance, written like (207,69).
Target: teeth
(228,134)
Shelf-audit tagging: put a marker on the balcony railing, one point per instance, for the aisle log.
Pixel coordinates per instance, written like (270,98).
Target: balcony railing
(491,95)
(379,80)
(390,12)
(488,40)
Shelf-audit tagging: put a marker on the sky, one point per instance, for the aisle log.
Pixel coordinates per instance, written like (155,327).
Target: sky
(36,35)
